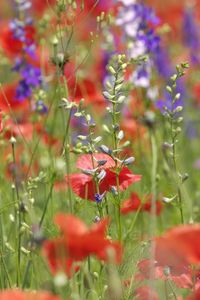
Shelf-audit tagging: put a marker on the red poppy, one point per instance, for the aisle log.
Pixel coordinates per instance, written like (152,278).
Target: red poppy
(1,122)
(85,161)
(84,186)
(131,204)
(148,204)
(196,93)
(91,92)
(40,6)
(9,102)
(195,295)
(77,242)
(24,130)
(21,295)
(7,39)
(133,129)
(144,267)
(134,203)
(178,248)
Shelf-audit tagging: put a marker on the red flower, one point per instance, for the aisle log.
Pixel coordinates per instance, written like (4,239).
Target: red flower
(84,186)
(134,203)
(195,295)
(144,267)
(78,242)
(1,122)
(91,92)
(178,248)
(7,39)
(40,6)
(147,205)
(131,204)
(21,295)
(9,94)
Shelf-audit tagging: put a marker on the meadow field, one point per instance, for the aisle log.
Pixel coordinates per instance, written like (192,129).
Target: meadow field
(99,150)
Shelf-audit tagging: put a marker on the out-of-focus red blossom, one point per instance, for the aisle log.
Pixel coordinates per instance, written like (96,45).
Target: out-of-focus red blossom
(178,248)
(9,91)
(195,295)
(24,130)
(84,186)
(7,39)
(133,129)
(1,122)
(21,295)
(90,91)
(77,242)
(170,14)
(134,203)
(85,162)
(185,280)
(148,204)
(131,204)
(39,6)
(145,292)
(196,93)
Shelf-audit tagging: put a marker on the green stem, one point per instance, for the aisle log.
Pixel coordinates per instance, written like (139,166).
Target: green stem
(47,201)
(153,206)
(19,220)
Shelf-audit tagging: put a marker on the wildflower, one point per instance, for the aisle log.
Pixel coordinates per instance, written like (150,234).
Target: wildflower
(178,248)
(22,33)
(191,35)
(99,197)
(134,203)
(77,242)
(1,122)
(84,185)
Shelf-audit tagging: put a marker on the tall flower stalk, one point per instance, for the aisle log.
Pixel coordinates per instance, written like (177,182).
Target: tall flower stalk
(174,119)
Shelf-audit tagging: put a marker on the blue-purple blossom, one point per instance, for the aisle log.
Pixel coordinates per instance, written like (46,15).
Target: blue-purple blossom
(191,35)
(23,90)
(32,75)
(142,39)
(41,107)
(162,62)
(99,197)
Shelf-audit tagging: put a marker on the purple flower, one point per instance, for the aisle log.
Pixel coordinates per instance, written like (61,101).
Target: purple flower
(162,62)
(18,29)
(191,36)
(99,197)
(32,75)
(19,62)
(41,107)
(190,30)
(23,90)
(141,76)
(135,19)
